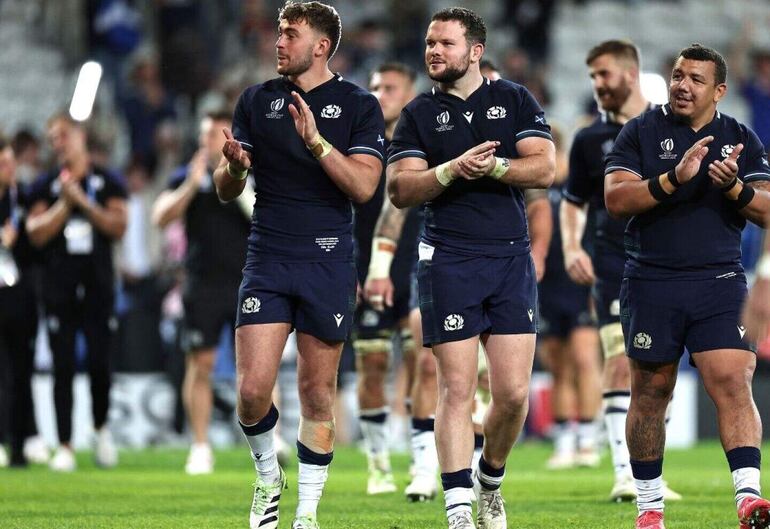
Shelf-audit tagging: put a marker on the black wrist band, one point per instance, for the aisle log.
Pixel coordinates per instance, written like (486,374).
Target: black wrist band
(731,185)
(744,197)
(672,178)
(656,190)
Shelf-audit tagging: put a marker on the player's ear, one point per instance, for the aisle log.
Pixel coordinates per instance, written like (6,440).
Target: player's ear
(477,51)
(323,46)
(719,92)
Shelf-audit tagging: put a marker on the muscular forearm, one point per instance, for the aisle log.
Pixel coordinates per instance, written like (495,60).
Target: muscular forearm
(111,221)
(572,223)
(228,187)
(632,196)
(534,171)
(356,179)
(172,205)
(390,222)
(540,227)
(45,226)
(758,209)
(409,187)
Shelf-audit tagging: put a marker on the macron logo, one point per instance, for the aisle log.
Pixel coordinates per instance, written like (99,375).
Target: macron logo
(531,314)
(338,318)
(741,331)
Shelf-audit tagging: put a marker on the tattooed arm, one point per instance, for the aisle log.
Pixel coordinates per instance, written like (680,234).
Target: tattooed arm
(378,288)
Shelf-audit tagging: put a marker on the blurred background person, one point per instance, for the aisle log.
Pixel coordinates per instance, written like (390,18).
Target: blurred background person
(77,210)
(217,235)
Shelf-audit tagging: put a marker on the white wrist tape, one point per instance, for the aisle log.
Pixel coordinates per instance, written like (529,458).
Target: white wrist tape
(444,174)
(238,175)
(383,251)
(501,167)
(763,266)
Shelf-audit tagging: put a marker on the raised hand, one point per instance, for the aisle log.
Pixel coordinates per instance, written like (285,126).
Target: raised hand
(239,159)
(689,165)
(304,121)
(475,162)
(723,172)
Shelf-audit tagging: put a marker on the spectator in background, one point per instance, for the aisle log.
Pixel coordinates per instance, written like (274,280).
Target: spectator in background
(518,68)
(26,147)
(139,265)
(754,81)
(77,210)
(18,322)
(531,19)
(216,249)
(146,105)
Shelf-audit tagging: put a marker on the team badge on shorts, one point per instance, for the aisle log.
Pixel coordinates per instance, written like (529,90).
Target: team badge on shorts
(250,305)
(642,340)
(453,322)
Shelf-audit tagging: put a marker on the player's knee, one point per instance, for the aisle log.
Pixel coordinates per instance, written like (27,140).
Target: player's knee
(730,384)
(427,364)
(317,399)
(617,372)
(201,365)
(511,399)
(457,390)
(252,400)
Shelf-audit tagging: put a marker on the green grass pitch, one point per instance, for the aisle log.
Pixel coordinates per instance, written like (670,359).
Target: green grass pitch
(150,490)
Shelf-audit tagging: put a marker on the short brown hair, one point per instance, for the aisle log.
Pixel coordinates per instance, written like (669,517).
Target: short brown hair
(620,49)
(475,29)
(398,67)
(321,17)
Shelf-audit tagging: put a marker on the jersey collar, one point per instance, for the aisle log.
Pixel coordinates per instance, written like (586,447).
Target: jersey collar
(482,89)
(321,87)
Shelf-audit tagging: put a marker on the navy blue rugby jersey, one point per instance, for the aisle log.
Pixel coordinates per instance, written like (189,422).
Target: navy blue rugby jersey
(300,215)
(585,185)
(484,216)
(697,233)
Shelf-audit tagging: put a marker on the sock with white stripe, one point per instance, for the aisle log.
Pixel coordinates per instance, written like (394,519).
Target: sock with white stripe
(615,411)
(745,463)
(374,431)
(424,447)
(458,491)
(648,476)
(490,478)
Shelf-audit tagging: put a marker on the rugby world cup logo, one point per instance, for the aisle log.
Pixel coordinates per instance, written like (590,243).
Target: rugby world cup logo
(275,107)
(443,121)
(668,146)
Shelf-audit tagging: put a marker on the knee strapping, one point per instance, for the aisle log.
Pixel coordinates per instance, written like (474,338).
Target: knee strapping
(318,436)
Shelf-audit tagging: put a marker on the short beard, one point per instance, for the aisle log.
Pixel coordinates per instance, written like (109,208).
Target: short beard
(619,97)
(452,74)
(299,68)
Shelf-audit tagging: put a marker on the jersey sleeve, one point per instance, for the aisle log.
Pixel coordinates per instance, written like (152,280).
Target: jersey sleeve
(530,120)
(406,141)
(39,190)
(368,134)
(755,166)
(115,186)
(177,178)
(578,188)
(241,121)
(626,152)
